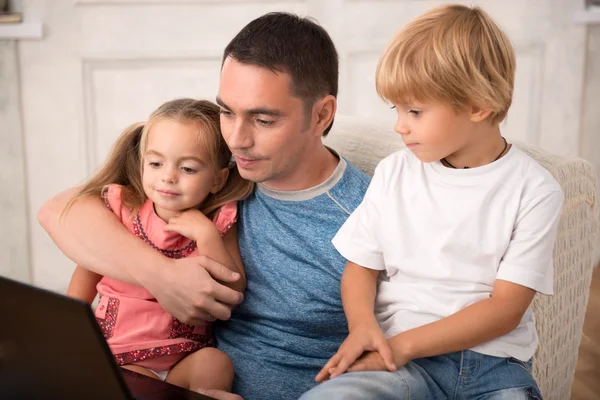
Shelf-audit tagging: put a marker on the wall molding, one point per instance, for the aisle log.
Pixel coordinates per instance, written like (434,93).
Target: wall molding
(92,66)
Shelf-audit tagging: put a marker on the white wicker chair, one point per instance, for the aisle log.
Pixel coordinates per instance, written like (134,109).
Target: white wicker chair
(559,318)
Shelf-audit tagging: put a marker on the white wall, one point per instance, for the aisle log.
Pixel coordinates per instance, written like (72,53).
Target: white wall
(103,64)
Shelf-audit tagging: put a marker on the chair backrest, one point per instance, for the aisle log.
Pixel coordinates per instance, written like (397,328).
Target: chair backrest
(363,142)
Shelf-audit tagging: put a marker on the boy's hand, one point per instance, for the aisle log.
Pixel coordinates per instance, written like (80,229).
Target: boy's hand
(360,340)
(191,223)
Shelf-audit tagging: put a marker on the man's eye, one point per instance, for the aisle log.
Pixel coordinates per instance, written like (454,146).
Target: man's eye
(264,122)
(225,113)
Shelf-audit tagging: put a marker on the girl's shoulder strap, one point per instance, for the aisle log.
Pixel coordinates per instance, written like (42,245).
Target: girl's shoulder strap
(226,217)
(112,195)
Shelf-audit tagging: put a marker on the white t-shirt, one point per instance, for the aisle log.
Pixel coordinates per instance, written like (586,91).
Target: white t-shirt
(443,236)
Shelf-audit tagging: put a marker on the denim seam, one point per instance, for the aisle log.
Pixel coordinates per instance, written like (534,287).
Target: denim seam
(407,387)
(519,363)
(458,378)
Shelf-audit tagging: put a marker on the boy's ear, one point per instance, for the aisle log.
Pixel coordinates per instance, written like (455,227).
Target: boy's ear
(220,180)
(323,113)
(479,114)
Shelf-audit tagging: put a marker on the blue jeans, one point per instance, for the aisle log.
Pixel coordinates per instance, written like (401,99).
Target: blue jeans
(464,375)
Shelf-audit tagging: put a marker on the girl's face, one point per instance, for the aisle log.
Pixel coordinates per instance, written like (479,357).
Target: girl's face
(177,172)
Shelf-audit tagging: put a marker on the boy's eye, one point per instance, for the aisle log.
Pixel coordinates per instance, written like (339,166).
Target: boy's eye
(416,113)
(188,170)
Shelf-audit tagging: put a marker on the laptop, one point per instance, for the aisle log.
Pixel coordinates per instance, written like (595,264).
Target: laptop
(52,348)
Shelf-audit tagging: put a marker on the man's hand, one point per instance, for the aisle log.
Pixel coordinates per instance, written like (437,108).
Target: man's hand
(192,224)
(188,289)
(363,338)
(369,361)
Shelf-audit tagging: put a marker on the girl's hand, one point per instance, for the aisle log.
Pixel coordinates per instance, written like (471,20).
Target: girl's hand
(191,224)
(364,338)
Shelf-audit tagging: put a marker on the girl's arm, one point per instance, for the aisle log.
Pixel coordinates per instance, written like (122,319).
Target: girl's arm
(469,327)
(231,245)
(83,284)
(194,225)
(224,250)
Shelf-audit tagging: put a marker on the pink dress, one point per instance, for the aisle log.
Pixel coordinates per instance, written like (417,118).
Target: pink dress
(137,329)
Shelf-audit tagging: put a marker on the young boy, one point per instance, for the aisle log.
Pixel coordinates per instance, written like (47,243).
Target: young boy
(455,234)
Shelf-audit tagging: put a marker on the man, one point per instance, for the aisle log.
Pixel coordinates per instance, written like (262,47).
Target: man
(277,94)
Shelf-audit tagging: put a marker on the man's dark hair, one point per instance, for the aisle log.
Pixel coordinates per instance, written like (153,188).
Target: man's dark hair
(284,42)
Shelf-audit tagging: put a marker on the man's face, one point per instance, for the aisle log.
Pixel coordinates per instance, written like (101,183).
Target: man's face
(263,124)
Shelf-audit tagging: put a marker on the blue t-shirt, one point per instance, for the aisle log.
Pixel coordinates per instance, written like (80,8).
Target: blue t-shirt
(291,321)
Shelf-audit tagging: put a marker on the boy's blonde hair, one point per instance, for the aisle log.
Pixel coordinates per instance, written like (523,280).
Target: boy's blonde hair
(124,165)
(452,54)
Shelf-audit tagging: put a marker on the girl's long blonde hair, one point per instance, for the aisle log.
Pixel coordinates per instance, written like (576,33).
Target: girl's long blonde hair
(124,164)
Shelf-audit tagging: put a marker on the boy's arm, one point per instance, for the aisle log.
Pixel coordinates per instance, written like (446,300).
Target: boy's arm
(359,288)
(526,267)
(83,284)
(469,327)
(89,234)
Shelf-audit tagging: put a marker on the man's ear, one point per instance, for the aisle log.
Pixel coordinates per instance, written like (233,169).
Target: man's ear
(220,180)
(323,113)
(479,114)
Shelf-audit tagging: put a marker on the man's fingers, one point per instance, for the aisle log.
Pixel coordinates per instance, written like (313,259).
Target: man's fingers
(218,271)
(216,310)
(227,295)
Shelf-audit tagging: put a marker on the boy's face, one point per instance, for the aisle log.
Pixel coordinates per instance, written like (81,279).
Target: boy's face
(263,124)
(433,131)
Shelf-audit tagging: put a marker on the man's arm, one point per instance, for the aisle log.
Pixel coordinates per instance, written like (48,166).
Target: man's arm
(89,234)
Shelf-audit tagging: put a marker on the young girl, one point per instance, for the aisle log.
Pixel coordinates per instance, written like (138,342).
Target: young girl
(169,181)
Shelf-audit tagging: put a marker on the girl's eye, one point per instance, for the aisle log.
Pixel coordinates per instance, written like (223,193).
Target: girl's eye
(188,170)
(154,164)
(263,122)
